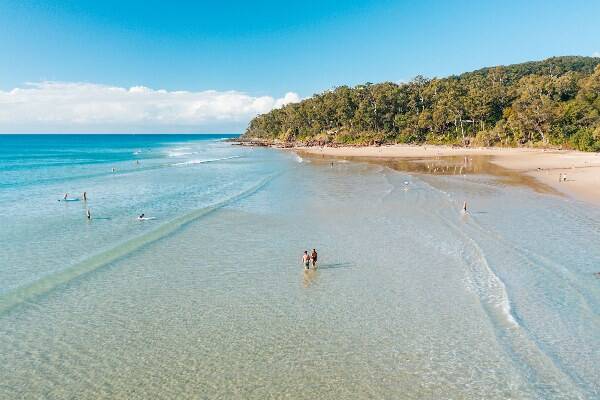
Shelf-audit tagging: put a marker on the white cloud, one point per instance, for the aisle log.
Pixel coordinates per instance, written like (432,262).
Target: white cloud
(88,107)
(596,54)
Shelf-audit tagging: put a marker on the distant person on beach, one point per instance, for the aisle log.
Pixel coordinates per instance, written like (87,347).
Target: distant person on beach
(465,207)
(564,177)
(306,259)
(88,214)
(313,257)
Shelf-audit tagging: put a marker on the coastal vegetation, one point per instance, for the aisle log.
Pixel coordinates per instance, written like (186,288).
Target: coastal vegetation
(550,103)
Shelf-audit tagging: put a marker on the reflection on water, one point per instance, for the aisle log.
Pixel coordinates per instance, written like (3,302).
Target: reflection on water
(310,276)
(449,166)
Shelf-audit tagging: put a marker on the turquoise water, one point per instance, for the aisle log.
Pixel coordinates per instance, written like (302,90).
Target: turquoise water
(412,299)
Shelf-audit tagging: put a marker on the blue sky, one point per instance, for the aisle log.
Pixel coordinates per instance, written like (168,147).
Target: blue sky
(267,49)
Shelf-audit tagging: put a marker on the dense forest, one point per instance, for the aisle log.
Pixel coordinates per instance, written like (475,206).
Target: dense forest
(555,102)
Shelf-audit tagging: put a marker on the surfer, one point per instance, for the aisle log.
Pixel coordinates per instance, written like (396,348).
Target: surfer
(306,259)
(66,196)
(313,257)
(88,214)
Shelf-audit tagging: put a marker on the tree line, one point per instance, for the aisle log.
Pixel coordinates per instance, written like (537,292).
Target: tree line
(555,102)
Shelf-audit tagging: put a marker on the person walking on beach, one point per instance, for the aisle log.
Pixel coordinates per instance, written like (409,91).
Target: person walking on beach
(306,259)
(313,257)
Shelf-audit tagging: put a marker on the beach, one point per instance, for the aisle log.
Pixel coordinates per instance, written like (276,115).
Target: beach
(582,169)
(412,297)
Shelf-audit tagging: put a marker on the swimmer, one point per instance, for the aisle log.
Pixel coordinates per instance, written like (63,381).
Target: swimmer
(306,259)
(141,216)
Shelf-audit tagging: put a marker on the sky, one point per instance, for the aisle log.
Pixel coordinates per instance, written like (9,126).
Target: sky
(169,66)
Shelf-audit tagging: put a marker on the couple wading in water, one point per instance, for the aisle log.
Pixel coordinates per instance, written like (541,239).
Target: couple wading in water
(308,258)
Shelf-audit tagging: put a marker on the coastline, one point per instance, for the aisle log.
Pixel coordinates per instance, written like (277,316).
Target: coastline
(544,165)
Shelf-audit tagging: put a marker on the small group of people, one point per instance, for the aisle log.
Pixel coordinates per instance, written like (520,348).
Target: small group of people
(307,259)
(88,213)
(562,177)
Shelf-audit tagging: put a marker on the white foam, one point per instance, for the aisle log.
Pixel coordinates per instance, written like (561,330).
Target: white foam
(194,162)
(488,286)
(179,153)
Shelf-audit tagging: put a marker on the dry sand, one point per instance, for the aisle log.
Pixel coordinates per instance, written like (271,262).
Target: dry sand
(582,169)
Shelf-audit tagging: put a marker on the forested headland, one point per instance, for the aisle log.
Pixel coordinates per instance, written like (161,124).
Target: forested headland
(553,103)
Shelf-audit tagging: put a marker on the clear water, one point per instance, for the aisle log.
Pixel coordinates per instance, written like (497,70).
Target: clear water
(412,299)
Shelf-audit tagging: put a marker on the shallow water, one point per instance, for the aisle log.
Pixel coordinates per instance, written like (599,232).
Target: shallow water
(412,299)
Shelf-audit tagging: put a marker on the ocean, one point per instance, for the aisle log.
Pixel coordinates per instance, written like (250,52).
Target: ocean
(207,299)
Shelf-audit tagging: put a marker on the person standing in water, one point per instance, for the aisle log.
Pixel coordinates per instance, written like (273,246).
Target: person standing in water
(313,257)
(465,207)
(88,214)
(84,196)
(306,259)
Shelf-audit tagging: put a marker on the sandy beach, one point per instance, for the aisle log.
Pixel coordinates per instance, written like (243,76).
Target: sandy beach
(582,169)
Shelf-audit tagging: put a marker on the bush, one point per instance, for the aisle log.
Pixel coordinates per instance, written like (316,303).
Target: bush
(586,139)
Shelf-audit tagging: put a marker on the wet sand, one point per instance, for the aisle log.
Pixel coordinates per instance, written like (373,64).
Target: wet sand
(535,168)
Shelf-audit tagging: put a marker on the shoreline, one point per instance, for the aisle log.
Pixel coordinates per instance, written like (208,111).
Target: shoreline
(543,165)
